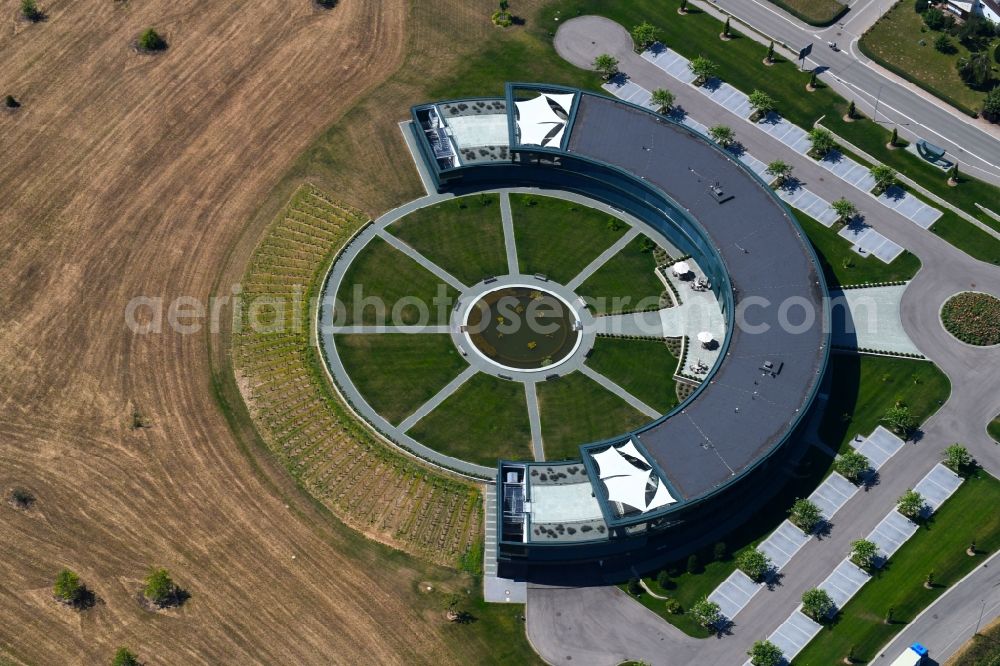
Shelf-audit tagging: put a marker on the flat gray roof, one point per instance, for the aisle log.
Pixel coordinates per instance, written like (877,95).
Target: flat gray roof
(742,413)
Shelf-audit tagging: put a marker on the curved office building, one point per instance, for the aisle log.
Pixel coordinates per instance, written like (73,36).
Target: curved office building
(719,448)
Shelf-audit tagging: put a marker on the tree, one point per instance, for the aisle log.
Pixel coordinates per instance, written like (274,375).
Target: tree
(606,64)
(765,653)
(684,7)
(770,52)
(663,99)
(813,80)
(864,553)
(852,110)
(125,657)
(780,171)
(754,563)
(929,580)
(943,44)
(885,177)
(817,603)
(663,579)
(67,587)
(991,105)
(761,103)
(976,70)
(958,458)
(920,6)
(160,588)
(953,175)
(894,139)
(501,17)
(30,11)
(150,40)
(934,18)
(693,564)
(852,465)
(723,135)
(890,615)
(633,587)
(673,606)
(910,504)
(719,551)
(822,141)
(900,420)
(805,514)
(703,69)
(725,29)
(705,612)
(644,35)
(22,499)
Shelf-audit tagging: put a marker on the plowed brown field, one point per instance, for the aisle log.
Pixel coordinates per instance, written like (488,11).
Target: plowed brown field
(126,174)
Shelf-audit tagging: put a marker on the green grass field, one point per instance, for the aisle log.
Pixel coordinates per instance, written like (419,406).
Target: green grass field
(384,273)
(398,372)
(627,282)
(485,419)
(938,547)
(560,238)
(864,387)
(993,428)
(843,266)
(973,241)
(896,38)
(644,368)
(982,650)
(688,588)
(464,236)
(577,410)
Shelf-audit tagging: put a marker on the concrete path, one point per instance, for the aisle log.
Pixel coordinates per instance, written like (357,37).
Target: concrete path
(972,142)
(534,421)
(603,258)
(868,318)
(422,259)
(620,392)
(509,241)
(438,398)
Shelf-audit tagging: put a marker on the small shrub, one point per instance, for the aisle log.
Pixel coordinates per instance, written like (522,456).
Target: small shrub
(944,45)
(673,606)
(633,586)
(663,580)
(159,587)
(934,19)
(67,587)
(30,11)
(720,552)
(693,564)
(21,498)
(150,40)
(125,657)
(706,613)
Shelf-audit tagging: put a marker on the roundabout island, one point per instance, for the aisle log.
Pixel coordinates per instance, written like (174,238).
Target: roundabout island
(631,344)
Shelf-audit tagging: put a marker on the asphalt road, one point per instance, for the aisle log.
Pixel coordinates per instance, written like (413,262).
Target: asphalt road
(595,625)
(975,144)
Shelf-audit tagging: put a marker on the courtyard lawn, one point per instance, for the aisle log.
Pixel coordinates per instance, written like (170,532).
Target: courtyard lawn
(463,236)
(900,39)
(687,588)
(560,238)
(938,547)
(485,419)
(843,266)
(627,282)
(644,368)
(398,372)
(384,273)
(865,387)
(577,410)
(813,12)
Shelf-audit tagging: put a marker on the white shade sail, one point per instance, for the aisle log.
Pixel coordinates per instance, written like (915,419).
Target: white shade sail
(612,464)
(661,498)
(539,125)
(630,490)
(628,448)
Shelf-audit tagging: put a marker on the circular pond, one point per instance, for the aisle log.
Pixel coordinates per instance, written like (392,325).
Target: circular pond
(523,328)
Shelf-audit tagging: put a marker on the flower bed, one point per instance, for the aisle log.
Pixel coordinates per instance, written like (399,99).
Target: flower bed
(973,318)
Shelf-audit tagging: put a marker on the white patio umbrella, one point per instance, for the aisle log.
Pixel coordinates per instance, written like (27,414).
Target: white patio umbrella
(681,268)
(705,337)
